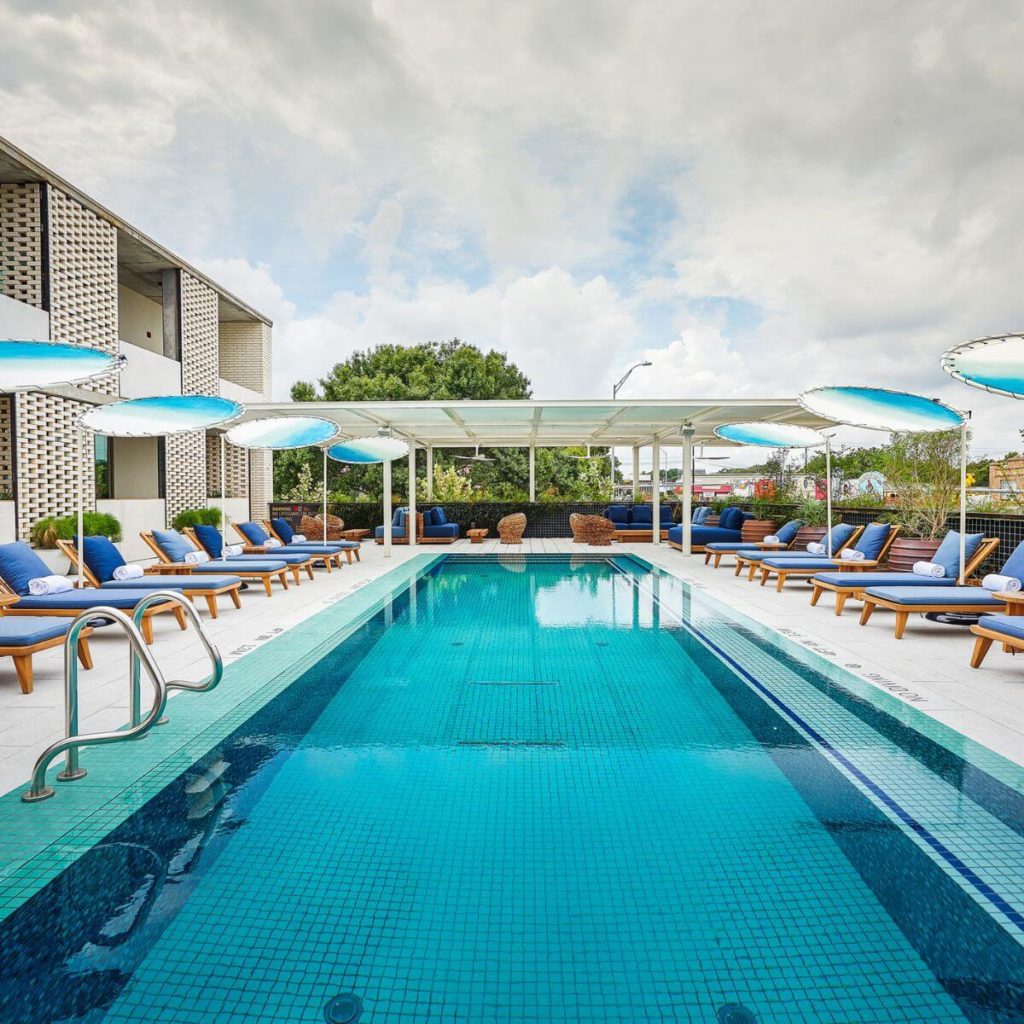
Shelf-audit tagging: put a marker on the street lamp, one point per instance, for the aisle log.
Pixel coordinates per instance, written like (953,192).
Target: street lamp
(615,394)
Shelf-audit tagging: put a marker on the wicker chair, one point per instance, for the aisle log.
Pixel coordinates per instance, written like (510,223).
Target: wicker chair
(596,531)
(576,525)
(313,528)
(511,528)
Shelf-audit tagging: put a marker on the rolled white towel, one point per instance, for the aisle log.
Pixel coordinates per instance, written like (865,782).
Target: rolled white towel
(298,538)
(43,585)
(232,550)
(128,572)
(1006,584)
(815,548)
(936,572)
(852,555)
(772,539)
(272,542)
(196,557)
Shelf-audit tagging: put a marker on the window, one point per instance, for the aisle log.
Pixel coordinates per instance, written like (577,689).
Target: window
(103,467)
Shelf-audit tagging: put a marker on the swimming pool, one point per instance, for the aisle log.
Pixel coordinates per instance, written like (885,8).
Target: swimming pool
(546,789)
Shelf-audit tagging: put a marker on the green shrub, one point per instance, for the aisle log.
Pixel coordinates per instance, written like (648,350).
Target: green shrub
(812,511)
(47,532)
(196,517)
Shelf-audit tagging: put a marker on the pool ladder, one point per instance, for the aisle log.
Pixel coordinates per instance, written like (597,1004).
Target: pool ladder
(140,658)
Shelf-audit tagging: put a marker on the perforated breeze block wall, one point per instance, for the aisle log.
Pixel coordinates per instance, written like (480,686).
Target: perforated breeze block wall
(21,243)
(186,479)
(236,469)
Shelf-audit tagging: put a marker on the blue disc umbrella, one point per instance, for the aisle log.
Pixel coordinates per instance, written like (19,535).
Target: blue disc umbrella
(161,416)
(366,451)
(282,433)
(25,365)
(785,435)
(884,409)
(993,364)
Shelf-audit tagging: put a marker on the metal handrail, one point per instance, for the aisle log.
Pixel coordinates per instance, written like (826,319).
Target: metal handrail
(215,676)
(69,746)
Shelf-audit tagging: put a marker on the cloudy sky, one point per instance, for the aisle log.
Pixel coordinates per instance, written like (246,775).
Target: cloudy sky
(759,198)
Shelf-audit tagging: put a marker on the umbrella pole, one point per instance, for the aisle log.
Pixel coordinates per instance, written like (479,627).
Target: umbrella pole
(828,494)
(223,488)
(81,504)
(325,495)
(963,498)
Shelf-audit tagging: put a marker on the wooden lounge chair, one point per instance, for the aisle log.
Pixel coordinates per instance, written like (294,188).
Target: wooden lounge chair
(719,549)
(783,567)
(248,567)
(853,584)
(511,528)
(250,546)
(1006,629)
(751,560)
(22,636)
(313,547)
(154,578)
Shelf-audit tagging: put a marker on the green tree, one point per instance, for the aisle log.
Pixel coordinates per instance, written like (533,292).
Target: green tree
(924,471)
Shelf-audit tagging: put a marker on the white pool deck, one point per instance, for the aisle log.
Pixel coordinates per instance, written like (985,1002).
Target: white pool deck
(928,668)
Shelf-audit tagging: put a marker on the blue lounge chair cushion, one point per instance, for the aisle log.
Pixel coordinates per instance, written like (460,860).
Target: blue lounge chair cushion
(618,514)
(177,582)
(935,595)
(19,564)
(76,600)
(283,529)
(1008,625)
(873,539)
(788,531)
(102,557)
(303,550)
(785,562)
(247,563)
(254,533)
(1014,565)
(26,630)
(861,580)
(948,553)
(211,540)
(172,544)
(447,530)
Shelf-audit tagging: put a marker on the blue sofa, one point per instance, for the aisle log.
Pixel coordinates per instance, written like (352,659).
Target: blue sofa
(637,518)
(730,522)
(433,528)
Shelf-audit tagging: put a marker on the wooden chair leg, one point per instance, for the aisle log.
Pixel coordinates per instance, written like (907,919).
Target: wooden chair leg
(267,586)
(354,551)
(707,557)
(236,597)
(84,654)
(309,569)
(739,567)
(327,564)
(296,579)
(981,647)
(23,667)
(179,617)
(147,625)
(753,571)
(211,604)
(866,611)
(779,582)
(841,597)
(816,594)
(764,576)
(901,623)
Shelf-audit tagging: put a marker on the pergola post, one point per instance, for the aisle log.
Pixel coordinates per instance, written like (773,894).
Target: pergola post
(533,473)
(636,472)
(656,493)
(687,511)
(387,509)
(430,472)
(411,527)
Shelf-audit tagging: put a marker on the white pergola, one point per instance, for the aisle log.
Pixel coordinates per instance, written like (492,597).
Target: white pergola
(531,424)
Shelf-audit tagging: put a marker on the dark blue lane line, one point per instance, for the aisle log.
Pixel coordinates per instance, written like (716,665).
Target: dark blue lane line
(966,872)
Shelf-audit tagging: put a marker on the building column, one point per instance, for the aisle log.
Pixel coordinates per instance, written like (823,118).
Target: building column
(411,528)
(636,472)
(656,493)
(533,473)
(387,509)
(687,513)
(430,472)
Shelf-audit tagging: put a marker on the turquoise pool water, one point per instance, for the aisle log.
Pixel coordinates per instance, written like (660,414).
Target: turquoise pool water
(543,790)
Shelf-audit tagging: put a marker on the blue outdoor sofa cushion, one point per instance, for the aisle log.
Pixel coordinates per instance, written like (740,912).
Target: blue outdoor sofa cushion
(700,515)
(26,630)
(642,516)
(76,600)
(731,518)
(19,564)
(619,515)
(177,582)
(447,530)
(935,595)
(701,535)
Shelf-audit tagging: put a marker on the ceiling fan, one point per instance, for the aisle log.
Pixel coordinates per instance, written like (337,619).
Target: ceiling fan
(475,457)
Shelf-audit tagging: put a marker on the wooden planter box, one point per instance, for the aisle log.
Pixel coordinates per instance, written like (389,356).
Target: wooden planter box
(806,534)
(905,551)
(755,530)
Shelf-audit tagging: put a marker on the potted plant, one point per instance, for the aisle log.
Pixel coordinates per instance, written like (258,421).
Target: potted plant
(922,470)
(761,525)
(814,514)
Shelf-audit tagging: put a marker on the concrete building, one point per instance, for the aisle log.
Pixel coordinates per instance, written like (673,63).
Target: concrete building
(72,271)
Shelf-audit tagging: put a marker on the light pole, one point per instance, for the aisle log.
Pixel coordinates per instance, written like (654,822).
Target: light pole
(615,394)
